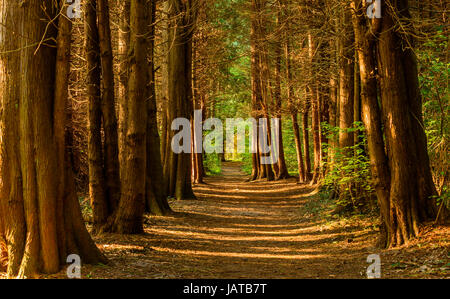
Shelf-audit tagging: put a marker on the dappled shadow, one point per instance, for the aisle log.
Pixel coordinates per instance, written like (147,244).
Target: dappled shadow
(240,229)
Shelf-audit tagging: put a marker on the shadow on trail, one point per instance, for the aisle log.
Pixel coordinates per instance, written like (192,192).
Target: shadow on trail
(240,229)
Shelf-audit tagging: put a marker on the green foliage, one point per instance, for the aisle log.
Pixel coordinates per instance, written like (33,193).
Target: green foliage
(320,204)
(434,71)
(247,163)
(86,208)
(290,152)
(349,175)
(212,164)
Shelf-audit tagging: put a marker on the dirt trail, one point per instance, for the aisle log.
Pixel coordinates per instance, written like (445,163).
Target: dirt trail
(238,229)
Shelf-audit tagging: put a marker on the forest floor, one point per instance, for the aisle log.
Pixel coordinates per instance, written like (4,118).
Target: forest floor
(238,229)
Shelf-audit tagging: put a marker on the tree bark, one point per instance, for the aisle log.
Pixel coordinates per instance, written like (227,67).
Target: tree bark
(365,47)
(97,185)
(128,218)
(178,166)
(305,134)
(111,143)
(293,109)
(156,196)
(124,40)
(282,171)
(256,89)
(40,223)
(411,186)
(315,111)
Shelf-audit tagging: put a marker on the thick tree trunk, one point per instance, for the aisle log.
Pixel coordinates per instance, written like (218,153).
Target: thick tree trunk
(365,43)
(178,166)
(40,223)
(411,187)
(128,218)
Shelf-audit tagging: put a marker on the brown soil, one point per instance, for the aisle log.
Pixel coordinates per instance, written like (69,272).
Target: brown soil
(239,229)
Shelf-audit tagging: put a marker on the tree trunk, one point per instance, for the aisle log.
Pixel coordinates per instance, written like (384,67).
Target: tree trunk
(111,143)
(124,40)
(305,134)
(365,43)
(165,28)
(40,223)
(156,196)
(178,166)
(266,170)
(346,79)
(411,186)
(282,171)
(293,109)
(315,111)
(128,218)
(256,89)
(346,98)
(97,186)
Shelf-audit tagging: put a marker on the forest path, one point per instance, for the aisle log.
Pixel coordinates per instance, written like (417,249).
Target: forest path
(237,229)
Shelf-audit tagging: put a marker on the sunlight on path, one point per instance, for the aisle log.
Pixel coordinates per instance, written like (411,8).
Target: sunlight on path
(238,229)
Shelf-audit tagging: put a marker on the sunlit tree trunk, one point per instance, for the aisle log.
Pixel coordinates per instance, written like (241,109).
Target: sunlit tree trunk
(315,111)
(365,45)
(411,185)
(346,102)
(256,88)
(197,102)
(282,172)
(41,217)
(123,40)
